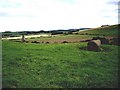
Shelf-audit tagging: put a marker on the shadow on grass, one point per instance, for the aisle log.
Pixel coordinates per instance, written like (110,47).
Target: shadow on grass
(103,49)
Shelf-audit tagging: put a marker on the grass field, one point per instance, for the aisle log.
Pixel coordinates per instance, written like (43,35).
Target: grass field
(66,65)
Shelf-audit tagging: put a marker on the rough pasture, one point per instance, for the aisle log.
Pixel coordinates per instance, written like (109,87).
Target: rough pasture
(64,65)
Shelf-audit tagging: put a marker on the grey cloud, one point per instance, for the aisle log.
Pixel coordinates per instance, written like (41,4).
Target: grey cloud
(112,2)
(118,10)
(4,14)
(119,3)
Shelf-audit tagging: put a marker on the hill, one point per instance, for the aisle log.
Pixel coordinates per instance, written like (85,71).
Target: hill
(104,31)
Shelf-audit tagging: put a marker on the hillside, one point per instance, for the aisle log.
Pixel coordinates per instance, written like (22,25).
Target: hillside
(60,61)
(104,31)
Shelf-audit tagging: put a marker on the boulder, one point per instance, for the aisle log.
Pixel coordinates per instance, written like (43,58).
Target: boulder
(103,40)
(116,41)
(94,45)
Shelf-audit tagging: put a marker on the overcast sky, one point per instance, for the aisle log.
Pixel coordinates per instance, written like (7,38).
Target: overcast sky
(35,15)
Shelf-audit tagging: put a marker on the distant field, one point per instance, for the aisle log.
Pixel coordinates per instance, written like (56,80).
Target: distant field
(60,38)
(52,38)
(58,66)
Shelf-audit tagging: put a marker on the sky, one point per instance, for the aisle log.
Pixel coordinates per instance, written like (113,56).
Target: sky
(36,15)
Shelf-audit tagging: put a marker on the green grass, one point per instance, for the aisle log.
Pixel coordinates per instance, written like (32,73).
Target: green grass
(107,31)
(58,66)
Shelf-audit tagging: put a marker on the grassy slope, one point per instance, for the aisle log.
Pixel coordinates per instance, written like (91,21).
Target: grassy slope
(58,65)
(108,31)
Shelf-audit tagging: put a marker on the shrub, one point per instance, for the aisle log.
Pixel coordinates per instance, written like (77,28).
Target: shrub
(35,42)
(64,42)
(47,42)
